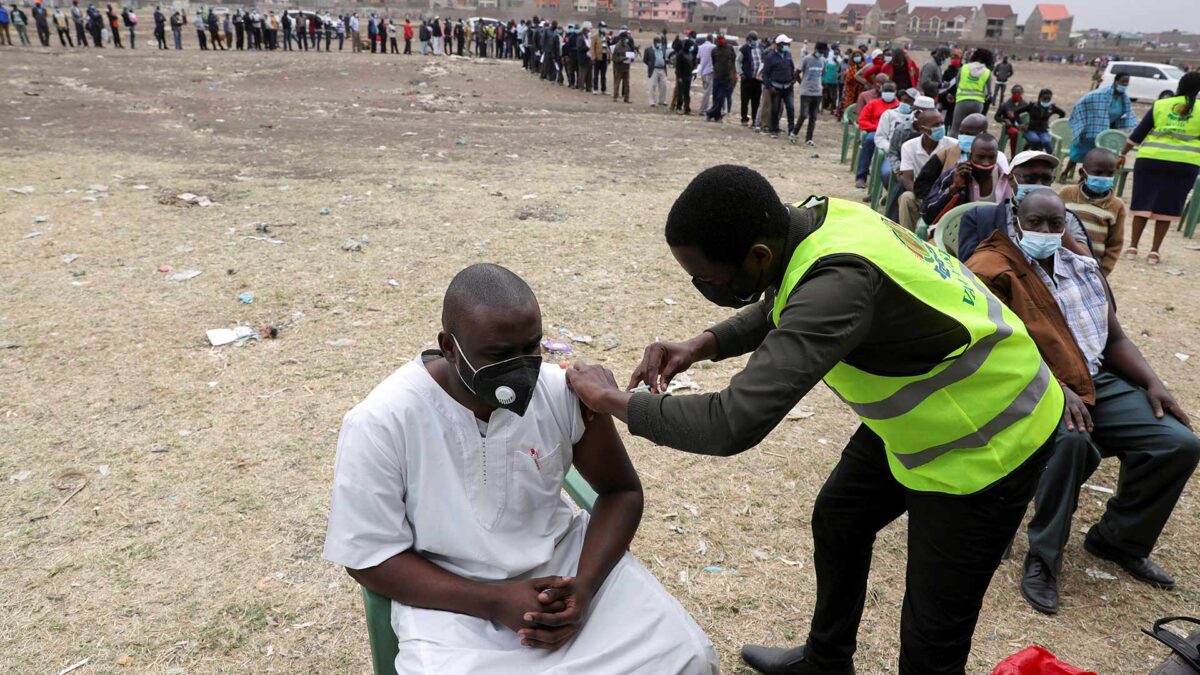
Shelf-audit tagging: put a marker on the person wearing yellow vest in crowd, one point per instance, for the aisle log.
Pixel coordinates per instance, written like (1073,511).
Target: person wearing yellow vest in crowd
(1167,164)
(958,409)
(974,87)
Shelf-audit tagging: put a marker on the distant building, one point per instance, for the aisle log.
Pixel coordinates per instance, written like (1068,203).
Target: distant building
(708,12)
(949,23)
(853,18)
(814,13)
(1049,24)
(733,13)
(672,11)
(762,12)
(995,23)
(887,17)
(790,14)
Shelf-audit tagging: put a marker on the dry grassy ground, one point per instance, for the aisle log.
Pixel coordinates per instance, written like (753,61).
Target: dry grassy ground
(195,545)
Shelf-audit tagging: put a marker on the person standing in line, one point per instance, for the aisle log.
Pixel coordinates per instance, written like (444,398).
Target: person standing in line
(974,87)
(685,63)
(20,23)
(435,32)
(177,29)
(340,28)
(77,19)
(130,20)
(391,26)
(62,28)
(724,76)
(851,87)
(355,40)
(812,68)
(779,75)
(214,29)
(160,28)
(655,59)
(583,50)
(829,83)
(287,32)
(42,22)
(447,30)
(1167,164)
(201,36)
(95,24)
(408,36)
(621,52)
(704,56)
(600,59)
(227,28)
(460,37)
(750,58)
(5,21)
(425,35)
(113,23)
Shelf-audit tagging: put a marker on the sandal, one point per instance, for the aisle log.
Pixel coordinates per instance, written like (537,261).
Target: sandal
(1131,253)
(1154,258)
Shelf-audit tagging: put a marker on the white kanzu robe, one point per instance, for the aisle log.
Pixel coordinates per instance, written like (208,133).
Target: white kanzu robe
(414,473)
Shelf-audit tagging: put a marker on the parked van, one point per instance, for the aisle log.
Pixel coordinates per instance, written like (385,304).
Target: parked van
(1147,81)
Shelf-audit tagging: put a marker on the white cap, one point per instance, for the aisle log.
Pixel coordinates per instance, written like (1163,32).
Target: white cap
(782,39)
(877,52)
(1032,155)
(924,103)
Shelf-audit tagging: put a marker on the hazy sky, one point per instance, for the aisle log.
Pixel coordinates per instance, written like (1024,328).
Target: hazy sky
(1138,16)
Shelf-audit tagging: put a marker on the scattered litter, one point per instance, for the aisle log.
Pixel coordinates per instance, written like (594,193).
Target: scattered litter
(269,240)
(125,661)
(73,666)
(97,188)
(1182,357)
(246,298)
(585,339)
(341,342)
(70,258)
(683,576)
(141,187)
(682,381)
(164,268)
(31,235)
(608,342)
(26,190)
(460,142)
(74,481)
(714,568)
(39,219)
(183,276)
(557,347)
(103,470)
(800,413)
(790,563)
(213,384)
(759,555)
(1193,247)
(1099,488)
(1100,574)
(578,188)
(159,449)
(366,239)
(324,210)
(351,245)
(670,301)
(522,215)
(218,337)
(1174,272)
(529,196)
(19,476)
(702,549)
(189,198)
(6,344)
(692,510)
(393,283)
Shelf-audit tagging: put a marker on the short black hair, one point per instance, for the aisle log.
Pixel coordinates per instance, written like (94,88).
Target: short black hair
(822,47)
(983,56)
(487,285)
(724,211)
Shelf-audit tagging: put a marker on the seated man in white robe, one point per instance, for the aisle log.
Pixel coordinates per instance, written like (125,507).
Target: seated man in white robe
(447,499)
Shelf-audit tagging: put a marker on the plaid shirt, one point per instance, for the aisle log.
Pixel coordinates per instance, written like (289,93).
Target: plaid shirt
(1079,292)
(1091,115)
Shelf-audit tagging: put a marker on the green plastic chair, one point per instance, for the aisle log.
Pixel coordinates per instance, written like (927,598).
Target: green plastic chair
(385,645)
(1023,121)
(850,132)
(1112,140)
(1191,212)
(946,233)
(874,183)
(1061,136)
(1125,172)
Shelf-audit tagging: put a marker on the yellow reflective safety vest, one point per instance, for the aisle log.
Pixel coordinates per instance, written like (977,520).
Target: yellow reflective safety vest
(975,416)
(971,88)
(1175,138)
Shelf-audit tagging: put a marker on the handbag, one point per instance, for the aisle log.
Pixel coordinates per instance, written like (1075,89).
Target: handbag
(1186,659)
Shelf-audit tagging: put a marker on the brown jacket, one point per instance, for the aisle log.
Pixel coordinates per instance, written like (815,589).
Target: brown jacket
(1002,267)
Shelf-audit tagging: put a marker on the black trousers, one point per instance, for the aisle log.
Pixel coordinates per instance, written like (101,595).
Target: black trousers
(810,107)
(955,543)
(600,75)
(240,35)
(80,36)
(408,45)
(751,95)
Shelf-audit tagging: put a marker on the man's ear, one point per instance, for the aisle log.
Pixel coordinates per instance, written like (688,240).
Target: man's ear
(762,255)
(447,347)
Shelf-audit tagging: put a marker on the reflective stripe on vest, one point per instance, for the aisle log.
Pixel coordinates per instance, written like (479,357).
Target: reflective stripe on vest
(970,419)
(1174,138)
(971,88)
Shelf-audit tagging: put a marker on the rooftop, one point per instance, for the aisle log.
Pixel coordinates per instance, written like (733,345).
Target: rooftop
(1053,12)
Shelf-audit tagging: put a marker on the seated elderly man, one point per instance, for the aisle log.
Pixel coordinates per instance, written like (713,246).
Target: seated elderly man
(980,179)
(1115,403)
(447,499)
(1031,170)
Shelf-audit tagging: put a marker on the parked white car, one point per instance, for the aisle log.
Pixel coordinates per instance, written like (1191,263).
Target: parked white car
(1147,81)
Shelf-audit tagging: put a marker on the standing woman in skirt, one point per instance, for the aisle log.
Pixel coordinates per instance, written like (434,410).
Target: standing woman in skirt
(1167,163)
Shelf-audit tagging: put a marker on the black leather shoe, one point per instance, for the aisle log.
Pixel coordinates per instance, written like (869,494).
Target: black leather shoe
(776,661)
(1142,569)
(1039,587)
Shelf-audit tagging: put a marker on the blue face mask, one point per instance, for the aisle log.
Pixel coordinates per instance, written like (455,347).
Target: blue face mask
(785,49)
(1099,184)
(1120,88)
(904,108)
(1039,245)
(965,141)
(1045,104)
(937,133)
(1024,189)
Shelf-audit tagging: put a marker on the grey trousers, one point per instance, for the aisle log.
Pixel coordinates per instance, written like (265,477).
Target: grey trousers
(1157,458)
(961,110)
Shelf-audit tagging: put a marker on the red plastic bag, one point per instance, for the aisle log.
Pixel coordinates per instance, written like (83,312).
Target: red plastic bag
(1036,661)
